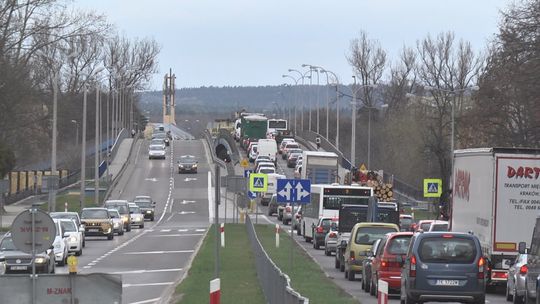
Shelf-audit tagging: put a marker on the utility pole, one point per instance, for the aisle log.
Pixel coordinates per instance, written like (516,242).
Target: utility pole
(96,152)
(83,153)
(52,191)
(353,127)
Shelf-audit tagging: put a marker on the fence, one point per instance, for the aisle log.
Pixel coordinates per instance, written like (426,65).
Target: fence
(275,284)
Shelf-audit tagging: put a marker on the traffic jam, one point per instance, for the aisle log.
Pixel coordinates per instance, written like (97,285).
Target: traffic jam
(373,238)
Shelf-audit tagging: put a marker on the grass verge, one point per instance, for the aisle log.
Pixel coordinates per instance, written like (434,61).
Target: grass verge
(307,278)
(239,283)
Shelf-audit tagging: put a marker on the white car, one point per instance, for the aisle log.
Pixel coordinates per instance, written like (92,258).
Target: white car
(60,245)
(266,170)
(156,151)
(253,153)
(137,218)
(74,216)
(73,236)
(118,224)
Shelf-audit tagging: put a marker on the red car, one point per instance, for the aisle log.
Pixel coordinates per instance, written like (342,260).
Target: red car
(387,262)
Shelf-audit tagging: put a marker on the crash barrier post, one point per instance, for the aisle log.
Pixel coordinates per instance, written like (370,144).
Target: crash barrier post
(275,284)
(382,290)
(215,291)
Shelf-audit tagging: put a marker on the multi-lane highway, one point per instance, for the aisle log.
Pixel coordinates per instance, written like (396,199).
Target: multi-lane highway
(327,263)
(152,259)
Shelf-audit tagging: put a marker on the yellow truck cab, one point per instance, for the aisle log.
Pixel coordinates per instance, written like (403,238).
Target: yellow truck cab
(363,235)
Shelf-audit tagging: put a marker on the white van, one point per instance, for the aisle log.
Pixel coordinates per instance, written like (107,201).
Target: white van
(267,147)
(272,185)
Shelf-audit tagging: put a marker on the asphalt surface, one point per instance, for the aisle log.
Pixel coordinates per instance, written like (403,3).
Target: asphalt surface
(327,262)
(151,260)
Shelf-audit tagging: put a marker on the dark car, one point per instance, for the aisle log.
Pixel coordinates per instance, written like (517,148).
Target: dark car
(366,267)
(163,136)
(320,231)
(442,267)
(147,206)
(187,163)
(16,261)
(387,262)
(273,205)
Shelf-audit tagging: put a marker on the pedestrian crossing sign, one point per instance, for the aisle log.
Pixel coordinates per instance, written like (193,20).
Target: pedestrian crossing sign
(432,187)
(258,182)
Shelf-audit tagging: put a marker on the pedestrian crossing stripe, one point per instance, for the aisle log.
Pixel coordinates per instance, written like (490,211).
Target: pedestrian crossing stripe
(258,182)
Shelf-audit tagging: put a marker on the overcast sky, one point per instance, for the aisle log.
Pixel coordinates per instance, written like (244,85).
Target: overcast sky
(251,42)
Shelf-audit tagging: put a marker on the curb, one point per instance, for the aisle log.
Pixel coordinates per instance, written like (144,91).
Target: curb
(121,171)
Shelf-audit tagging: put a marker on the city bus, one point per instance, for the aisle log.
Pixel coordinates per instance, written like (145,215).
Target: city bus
(326,201)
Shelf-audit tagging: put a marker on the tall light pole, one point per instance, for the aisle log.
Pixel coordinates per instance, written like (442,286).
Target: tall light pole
(326,72)
(52,192)
(83,153)
(302,76)
(77,133)
(316,69)
(353,126)
(96,155)
(295,97)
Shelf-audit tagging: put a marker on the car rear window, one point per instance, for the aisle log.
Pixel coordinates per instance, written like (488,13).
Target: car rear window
(447,250)
(425,226)
(439,227)
(368,235)
(405,221)
(399,244)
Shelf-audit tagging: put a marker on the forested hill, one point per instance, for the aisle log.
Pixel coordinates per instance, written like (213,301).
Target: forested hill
(230,99)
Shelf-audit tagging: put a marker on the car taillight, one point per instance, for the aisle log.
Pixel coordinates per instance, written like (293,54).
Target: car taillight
(386,264)
(412,267)
(320,229)
(523,269)
(332,235)
(351,256)
(481,265)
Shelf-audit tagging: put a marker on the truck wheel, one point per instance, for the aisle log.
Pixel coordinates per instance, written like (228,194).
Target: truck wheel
(351,275)
(341,266)
(336,263)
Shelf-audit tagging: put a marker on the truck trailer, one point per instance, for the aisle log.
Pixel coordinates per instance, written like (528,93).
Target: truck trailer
(496,196)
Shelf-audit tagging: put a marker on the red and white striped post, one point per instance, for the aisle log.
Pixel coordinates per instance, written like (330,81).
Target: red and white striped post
(277,235)
(382,290)
(215,291)
(222,232)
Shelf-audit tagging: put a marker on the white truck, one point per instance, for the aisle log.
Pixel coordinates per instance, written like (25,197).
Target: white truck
(272,184)
(496,196)
(320,167)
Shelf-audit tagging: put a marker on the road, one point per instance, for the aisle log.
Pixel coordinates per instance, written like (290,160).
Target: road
(152,259)
(327,262)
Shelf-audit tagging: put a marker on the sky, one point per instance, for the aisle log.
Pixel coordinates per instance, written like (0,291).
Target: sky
(253,42)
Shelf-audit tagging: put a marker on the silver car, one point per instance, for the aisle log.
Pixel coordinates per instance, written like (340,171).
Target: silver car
(118,225)
(515,285)
(330,239)
(137,218)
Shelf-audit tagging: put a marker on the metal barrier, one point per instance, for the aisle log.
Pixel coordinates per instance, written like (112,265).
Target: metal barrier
(275,284)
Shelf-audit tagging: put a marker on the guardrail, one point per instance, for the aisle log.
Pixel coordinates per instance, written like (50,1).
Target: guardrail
(274,283)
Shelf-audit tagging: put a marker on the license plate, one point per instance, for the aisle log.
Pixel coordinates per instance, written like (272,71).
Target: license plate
(93,229)
(19,267)
(447,282)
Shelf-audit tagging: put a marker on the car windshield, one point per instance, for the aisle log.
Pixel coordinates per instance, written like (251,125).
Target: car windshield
(68,226)
(447,249)
(267,170)
(425,226)
(122,209)
(187,159)
(94,214)
(405,221)
(292,146)
(156,147)
(60,215)
(439,227)
(156,142)
(368,235)
(399,244)
(7,244)
(296,151)
(143,204)
(114,214)
(134,210)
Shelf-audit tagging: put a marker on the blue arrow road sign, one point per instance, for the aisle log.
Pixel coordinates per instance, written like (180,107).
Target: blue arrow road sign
(293,191)
(252,195)
(247,173)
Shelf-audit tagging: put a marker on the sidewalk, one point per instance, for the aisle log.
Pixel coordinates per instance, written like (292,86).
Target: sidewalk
(14,209)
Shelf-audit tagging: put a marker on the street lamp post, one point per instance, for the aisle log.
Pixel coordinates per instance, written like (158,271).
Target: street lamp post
(353,127)
(52,192)
(295,98)
(326,72)
(96,155)
(77,132)
(302,76)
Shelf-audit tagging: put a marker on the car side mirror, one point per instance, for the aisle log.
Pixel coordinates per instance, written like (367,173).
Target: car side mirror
(522,247)
(369,253)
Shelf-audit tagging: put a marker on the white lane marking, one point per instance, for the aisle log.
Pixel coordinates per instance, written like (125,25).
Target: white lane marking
(147,284)
(138,152)
(182,230)
(210,205)
(189,234)
(172,203)
(186,212)
(154,300)
(160,252)
(184,202)
(147,271)
(189,179)
(266,219)
(152,179)
(200,230)
(165,230)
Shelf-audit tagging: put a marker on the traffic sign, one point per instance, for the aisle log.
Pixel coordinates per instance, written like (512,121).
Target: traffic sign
(258,182)
(244,163)
(363,168)
(432,187)
(247,172)
(44,231)
(293,191)
(252,195)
